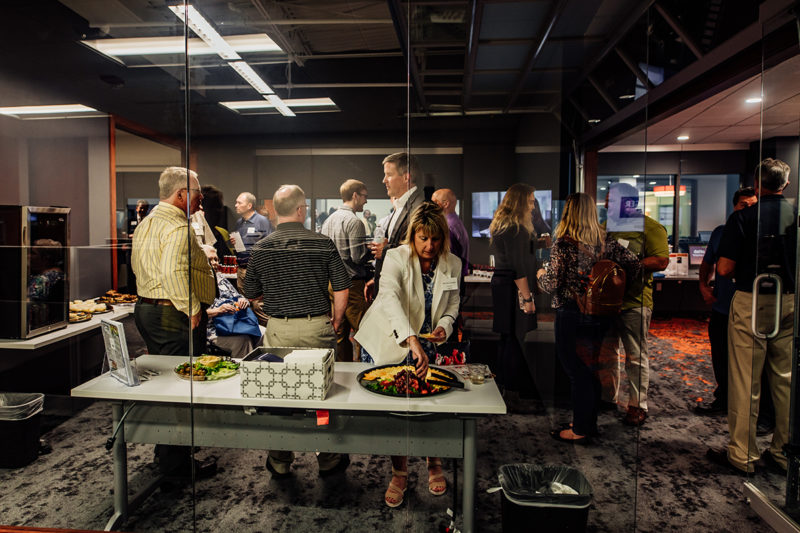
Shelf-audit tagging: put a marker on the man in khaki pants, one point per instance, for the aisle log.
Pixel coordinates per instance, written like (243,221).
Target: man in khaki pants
(759,240)
(347,232)
(292,268)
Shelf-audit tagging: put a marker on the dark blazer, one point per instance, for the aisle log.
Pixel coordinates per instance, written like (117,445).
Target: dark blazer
(400,229)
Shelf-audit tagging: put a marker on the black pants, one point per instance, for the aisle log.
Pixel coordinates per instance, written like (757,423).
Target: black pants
(579,339)
(512,325)
(166,331)
(718,339)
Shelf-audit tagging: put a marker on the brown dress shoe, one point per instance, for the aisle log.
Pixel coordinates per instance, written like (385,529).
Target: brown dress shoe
(635,416)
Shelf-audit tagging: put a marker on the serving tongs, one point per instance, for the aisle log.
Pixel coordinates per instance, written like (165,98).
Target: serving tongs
(445,382)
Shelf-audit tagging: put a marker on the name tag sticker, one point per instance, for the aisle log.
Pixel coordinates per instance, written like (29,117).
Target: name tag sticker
(624,242)
(198,229)
(449,284)
(251,230)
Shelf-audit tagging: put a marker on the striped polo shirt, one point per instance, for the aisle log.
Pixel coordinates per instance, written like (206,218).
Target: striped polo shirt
(161,261)
(291,269)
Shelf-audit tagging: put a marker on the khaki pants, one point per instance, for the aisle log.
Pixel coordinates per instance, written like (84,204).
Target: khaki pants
(347,350)
(630,331)
(304,332)
(308,332)
(748,356)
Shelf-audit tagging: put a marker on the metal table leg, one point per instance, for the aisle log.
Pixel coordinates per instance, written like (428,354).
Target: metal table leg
(470,471)
(120,471)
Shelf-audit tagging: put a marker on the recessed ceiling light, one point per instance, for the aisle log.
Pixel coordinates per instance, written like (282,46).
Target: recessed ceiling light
(683,138)
(753,100)
(637,176)
(653,182)
(140,46)
(55,110)
(602,188)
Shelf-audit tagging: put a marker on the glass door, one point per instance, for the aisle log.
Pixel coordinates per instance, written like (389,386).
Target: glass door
(763,378)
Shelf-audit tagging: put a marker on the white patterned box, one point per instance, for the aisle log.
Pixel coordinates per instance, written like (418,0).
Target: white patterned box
(310,378)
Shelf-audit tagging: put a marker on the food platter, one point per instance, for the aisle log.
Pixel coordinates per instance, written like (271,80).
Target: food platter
(207,369)
(373,379)
(74,318)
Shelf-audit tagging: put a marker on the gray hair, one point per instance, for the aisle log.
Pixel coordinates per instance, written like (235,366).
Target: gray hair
(772,174)
(405,163)
(250,198)
(287,198)
(173,179)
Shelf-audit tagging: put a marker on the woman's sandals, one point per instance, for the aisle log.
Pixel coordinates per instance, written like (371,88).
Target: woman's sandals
(395,494)
(437,485)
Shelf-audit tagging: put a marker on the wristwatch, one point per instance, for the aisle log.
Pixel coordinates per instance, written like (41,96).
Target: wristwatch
(528,300)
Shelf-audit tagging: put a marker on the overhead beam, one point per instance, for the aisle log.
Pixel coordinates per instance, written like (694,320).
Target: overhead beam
(470,58)
(680,30)
(401,30)
(634,15)
(634,68)
(553,16)
(603,93)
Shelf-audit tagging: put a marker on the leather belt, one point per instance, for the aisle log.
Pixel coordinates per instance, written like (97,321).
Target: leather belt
(155,301)
(307,316)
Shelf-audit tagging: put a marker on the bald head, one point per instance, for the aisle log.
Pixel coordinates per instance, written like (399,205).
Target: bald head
(446,199)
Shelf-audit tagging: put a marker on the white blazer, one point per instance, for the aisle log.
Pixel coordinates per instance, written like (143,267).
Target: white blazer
(399,309)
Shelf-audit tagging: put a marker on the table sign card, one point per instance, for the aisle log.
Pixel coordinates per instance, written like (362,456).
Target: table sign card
(119,364)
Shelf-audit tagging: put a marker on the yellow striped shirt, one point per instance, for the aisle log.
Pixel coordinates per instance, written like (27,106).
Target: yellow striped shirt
(160,260)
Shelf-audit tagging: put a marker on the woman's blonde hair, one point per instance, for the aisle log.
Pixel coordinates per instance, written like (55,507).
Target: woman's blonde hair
(428,219)
(513,211)
(579,220)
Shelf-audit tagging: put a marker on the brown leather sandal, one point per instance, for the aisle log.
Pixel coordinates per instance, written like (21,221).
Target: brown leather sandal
(395,494)
(437,485)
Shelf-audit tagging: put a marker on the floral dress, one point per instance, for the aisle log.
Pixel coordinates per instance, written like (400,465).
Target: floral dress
(427,285)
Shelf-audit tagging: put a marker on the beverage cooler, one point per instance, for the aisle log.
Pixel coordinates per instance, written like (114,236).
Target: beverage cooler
(34,284)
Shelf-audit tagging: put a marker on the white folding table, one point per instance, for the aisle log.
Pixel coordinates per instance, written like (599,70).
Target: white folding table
(169,410)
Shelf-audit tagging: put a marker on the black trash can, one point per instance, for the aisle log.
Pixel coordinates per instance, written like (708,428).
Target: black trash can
(537,498)
(20,425)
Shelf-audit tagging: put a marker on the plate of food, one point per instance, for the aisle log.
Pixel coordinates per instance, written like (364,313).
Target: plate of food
(401,381)
(87,306)
(114,297)
(207,368)
(79,316)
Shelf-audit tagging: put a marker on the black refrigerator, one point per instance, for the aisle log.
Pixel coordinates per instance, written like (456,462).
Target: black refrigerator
(34,285)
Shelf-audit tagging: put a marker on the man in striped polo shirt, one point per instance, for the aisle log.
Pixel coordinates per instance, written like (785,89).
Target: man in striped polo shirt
(170,310)
(291,268)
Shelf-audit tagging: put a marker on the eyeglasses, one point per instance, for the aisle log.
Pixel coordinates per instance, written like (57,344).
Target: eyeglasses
(197,191)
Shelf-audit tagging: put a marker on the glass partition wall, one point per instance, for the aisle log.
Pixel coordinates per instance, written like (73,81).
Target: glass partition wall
(526,102)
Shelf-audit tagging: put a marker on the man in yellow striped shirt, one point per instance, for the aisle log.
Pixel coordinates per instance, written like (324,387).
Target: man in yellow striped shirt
(165,256)
(175,285)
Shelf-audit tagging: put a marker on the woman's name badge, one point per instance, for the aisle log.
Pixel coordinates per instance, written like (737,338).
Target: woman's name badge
(449,284)
(198,229)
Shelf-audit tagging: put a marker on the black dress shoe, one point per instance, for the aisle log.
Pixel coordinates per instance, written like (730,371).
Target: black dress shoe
(275,473)
(720,458)
(203,469)
(712,409)
(770,464)
(341,466)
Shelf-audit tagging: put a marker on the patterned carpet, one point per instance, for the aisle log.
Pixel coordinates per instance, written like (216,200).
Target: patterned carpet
(671,486)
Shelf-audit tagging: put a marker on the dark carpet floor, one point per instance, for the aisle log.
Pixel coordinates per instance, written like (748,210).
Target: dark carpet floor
(652,479)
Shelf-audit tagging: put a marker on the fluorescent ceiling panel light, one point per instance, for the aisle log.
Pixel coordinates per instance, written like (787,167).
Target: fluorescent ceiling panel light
(139,46)
(753,100)
(46,110)
(264,104)
(251,77)
(280,105)
(205,31)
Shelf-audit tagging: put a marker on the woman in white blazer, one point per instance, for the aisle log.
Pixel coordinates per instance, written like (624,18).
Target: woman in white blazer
(418,295)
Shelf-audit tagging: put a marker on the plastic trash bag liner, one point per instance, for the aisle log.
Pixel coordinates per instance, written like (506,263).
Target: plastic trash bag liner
(20,406)
(545,485)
